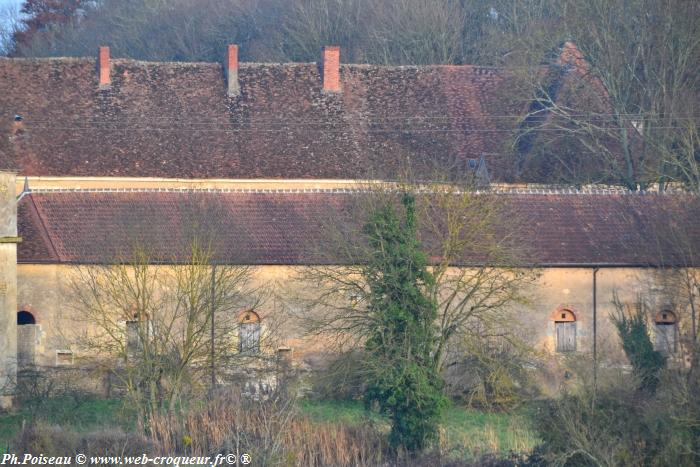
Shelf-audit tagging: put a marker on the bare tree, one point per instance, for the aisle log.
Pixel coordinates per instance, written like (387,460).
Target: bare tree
(622,99)
(156,323)
(416,32)
(481,274)
(169,314)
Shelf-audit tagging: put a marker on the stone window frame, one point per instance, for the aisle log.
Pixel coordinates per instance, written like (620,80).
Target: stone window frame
(565,316)
(65,352)
(667,319)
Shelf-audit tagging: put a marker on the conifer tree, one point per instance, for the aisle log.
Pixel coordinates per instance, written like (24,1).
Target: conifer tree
(403,379)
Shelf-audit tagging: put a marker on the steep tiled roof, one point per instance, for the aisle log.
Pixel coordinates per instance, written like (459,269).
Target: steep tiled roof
(175,119)
(275,227)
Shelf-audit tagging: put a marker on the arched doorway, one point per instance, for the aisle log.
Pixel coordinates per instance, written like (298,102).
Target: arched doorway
(26,338)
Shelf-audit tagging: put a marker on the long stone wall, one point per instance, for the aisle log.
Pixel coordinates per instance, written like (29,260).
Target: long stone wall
(44,291)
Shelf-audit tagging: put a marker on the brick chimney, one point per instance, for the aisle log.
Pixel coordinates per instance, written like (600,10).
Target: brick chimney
(231,70)
(331,68)
(103,67)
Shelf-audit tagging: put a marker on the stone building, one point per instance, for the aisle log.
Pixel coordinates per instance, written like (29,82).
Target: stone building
(100,151)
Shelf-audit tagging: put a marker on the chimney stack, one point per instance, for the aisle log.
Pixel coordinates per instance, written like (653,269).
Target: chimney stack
(231,70)
(331,68)
(103,67)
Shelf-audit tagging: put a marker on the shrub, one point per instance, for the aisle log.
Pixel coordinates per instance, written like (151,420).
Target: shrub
(493,376)
(341,377)
(631,324)
(615,427)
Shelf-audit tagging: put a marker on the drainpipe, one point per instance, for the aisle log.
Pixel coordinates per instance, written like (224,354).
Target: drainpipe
(595,330)
(213,314)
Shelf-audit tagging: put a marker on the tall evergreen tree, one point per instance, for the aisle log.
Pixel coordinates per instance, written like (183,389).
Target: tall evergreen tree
(403,378)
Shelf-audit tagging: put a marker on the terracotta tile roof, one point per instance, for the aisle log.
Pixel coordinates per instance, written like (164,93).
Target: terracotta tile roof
(293,227)
(175,119)
(36,246)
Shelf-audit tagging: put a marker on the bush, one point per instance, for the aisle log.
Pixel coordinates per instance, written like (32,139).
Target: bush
(615,427)
(631,324)
(341,377)
(491,376)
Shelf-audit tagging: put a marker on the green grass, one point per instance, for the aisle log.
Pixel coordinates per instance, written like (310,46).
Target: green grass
(10,424)
(351,412)
(82,414)
(473,431)
(465,432)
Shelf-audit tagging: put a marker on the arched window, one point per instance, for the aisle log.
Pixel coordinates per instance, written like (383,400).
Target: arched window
(249,332)
(24,318)
(565,329)
(665,331)
(26,338)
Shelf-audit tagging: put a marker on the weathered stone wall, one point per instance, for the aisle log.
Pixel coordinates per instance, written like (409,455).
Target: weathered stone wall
(8,285)
(43,290)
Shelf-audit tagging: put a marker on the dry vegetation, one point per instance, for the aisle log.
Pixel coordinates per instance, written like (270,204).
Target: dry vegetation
(277,431)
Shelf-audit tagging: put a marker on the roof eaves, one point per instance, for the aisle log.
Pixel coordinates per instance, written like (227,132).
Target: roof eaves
(43,230)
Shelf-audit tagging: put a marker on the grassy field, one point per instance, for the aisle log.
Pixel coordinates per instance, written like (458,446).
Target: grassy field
(465,433)
(82,414)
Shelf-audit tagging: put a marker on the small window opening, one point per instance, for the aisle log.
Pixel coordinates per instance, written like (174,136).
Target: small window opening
(24,318)
(665,330)
(64,357)
(249,332)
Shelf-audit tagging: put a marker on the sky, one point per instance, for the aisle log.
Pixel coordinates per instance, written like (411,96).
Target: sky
(8,3)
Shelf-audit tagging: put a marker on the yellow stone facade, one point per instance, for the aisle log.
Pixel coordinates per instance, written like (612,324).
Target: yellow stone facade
(44,291)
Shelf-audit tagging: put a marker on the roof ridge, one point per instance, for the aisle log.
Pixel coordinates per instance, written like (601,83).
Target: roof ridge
(492,190)
(127,60)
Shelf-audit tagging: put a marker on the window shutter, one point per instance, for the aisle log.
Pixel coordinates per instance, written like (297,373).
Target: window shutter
(566,336)
(666,338)
(249,337)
